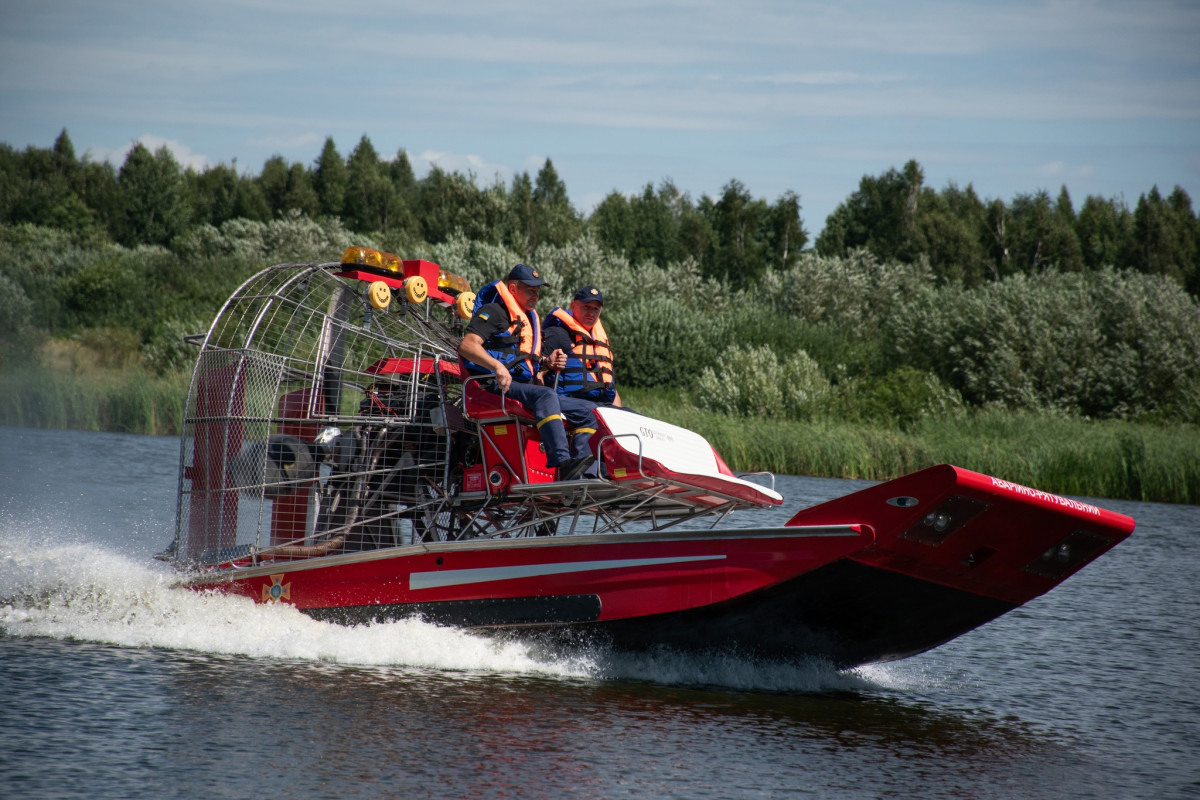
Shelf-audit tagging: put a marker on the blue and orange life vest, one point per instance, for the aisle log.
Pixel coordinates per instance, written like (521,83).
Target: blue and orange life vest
(588,373)
(520,346)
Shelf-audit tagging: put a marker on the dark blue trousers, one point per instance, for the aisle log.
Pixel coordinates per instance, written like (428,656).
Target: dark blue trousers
(550,409)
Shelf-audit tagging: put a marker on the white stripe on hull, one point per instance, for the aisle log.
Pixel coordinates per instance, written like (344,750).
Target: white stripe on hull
(459,577)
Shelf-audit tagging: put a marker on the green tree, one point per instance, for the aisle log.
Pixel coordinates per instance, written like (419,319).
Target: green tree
(371,200)
(101,193)
(104,291)
(654,226)
(786,236)
(951,230)
(249,201)
(154,203)
(36,187)
(273,182)
(68,211)
(451,203)
(739,252)
(843,232)
(1164,236)
(1186,234)
(1041,235)
(16,322)
(403,218)
(518,233)
(999,260)
(66,165)
(329,180)
(287,188)
(881,216)
(1064,208)
(611,223)
(212,193)
(696,234)
(554,220)
(300,195)
(401,173)
(1105,232)
(10,196)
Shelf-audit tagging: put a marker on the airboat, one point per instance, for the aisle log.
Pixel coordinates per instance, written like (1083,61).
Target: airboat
(336,458)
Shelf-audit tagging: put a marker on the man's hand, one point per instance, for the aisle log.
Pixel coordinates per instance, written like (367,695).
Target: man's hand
(557,360)
(471,348)
(503,377)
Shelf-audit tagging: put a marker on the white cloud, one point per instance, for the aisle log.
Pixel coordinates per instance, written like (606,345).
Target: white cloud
(1052,169)
(533,164)
(826,78)
(288,143)
(457,162)
(1061,170)
(182,153)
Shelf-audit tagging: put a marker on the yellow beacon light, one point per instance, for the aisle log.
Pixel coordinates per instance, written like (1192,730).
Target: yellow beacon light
(362,257)
(392,263)
(448,280)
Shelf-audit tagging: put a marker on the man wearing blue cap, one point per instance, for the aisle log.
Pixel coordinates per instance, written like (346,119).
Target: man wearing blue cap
(588,373)
(504,339)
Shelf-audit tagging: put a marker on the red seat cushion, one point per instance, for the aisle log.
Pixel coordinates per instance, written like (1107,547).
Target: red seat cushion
(480,404)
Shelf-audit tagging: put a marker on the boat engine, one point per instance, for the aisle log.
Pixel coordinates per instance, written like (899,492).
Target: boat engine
(274,468)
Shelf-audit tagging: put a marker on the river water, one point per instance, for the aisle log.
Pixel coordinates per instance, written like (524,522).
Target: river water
(116,685)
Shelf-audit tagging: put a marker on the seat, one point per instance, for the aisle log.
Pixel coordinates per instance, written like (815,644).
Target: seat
(644,453)
(480,405)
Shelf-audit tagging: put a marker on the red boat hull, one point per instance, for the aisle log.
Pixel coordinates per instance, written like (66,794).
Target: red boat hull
(881,574)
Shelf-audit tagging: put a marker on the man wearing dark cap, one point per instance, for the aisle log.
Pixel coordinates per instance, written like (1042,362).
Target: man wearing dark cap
(588,374)
(504,338)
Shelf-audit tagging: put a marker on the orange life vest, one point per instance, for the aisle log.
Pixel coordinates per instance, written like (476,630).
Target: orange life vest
(520,346)
(588,373)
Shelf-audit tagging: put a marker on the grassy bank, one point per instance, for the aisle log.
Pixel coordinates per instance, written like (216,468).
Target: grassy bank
(1066,456)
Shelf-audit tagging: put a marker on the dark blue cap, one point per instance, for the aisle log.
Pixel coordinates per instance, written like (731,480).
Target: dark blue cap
(590,294)
(526,275)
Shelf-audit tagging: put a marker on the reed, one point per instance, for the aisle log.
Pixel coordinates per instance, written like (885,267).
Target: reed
(1071,456)
(127,401)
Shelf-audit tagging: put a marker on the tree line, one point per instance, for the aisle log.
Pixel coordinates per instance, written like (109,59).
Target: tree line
(970,240)
(152,200)
(735,236)
(913,302)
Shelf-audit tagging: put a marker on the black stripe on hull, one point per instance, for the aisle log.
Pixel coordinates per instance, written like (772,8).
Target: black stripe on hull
(846,612)
(491,612)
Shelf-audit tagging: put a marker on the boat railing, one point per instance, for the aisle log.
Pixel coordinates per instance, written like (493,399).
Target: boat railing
(614,436)
(759,474)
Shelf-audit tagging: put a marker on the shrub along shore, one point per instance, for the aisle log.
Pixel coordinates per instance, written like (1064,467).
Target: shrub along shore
(1065,455)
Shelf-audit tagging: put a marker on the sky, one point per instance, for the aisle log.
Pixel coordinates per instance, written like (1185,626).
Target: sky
(1009,97)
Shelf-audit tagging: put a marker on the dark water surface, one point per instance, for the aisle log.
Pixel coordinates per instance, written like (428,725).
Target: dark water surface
(115,685)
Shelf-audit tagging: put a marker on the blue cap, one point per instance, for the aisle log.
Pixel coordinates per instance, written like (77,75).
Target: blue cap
(526,275)
(590,294)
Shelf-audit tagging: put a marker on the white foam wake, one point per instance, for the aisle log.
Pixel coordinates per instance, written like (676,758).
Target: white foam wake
(83,591)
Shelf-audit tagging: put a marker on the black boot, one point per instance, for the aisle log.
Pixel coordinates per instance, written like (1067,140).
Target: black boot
(572,468)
